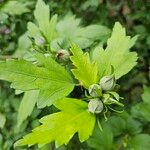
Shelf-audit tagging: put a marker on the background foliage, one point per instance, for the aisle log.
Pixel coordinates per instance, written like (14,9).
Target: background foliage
(133,130)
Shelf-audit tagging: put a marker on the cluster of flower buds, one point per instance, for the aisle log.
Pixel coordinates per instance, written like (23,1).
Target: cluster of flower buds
(102,94)
(106,83)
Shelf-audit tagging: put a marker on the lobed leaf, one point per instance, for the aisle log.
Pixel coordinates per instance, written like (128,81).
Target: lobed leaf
(85,71)
(69,29)
(60,127)
(46,26)
(116,54)
(26,76)
(47,97)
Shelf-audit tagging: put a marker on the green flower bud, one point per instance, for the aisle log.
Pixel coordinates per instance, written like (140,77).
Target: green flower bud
(95,106)
(107,82)
(39,41)
(95,90)
(62,55)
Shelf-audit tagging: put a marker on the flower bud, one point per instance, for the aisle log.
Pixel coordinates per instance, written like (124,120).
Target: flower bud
(107,82)
(62,55)
(94,90)
(95,106)
(39,41)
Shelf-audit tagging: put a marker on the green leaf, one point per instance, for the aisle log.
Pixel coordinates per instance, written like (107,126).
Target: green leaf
(140,142)
(60,127)
(47,97)
(146,95)
(42,15)
(24,44)
(69,29)
(133,126)
(26,106)
(26,76)
(85,71)
(2,120)
(113,123)
(142,110)
(66,30)
(116,54)
(52,28)
(82,41)
(68,26)
(33,30)
(98,32)
(101,140)
(20,7)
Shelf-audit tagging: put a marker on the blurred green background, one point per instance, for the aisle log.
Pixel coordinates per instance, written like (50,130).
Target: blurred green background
(127,131)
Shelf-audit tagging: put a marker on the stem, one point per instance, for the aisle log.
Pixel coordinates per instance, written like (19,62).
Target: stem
(104,113)
(99,125)
(52,146)
(118,111)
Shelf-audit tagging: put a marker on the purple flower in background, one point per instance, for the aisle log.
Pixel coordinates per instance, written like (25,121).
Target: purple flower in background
(5,30)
